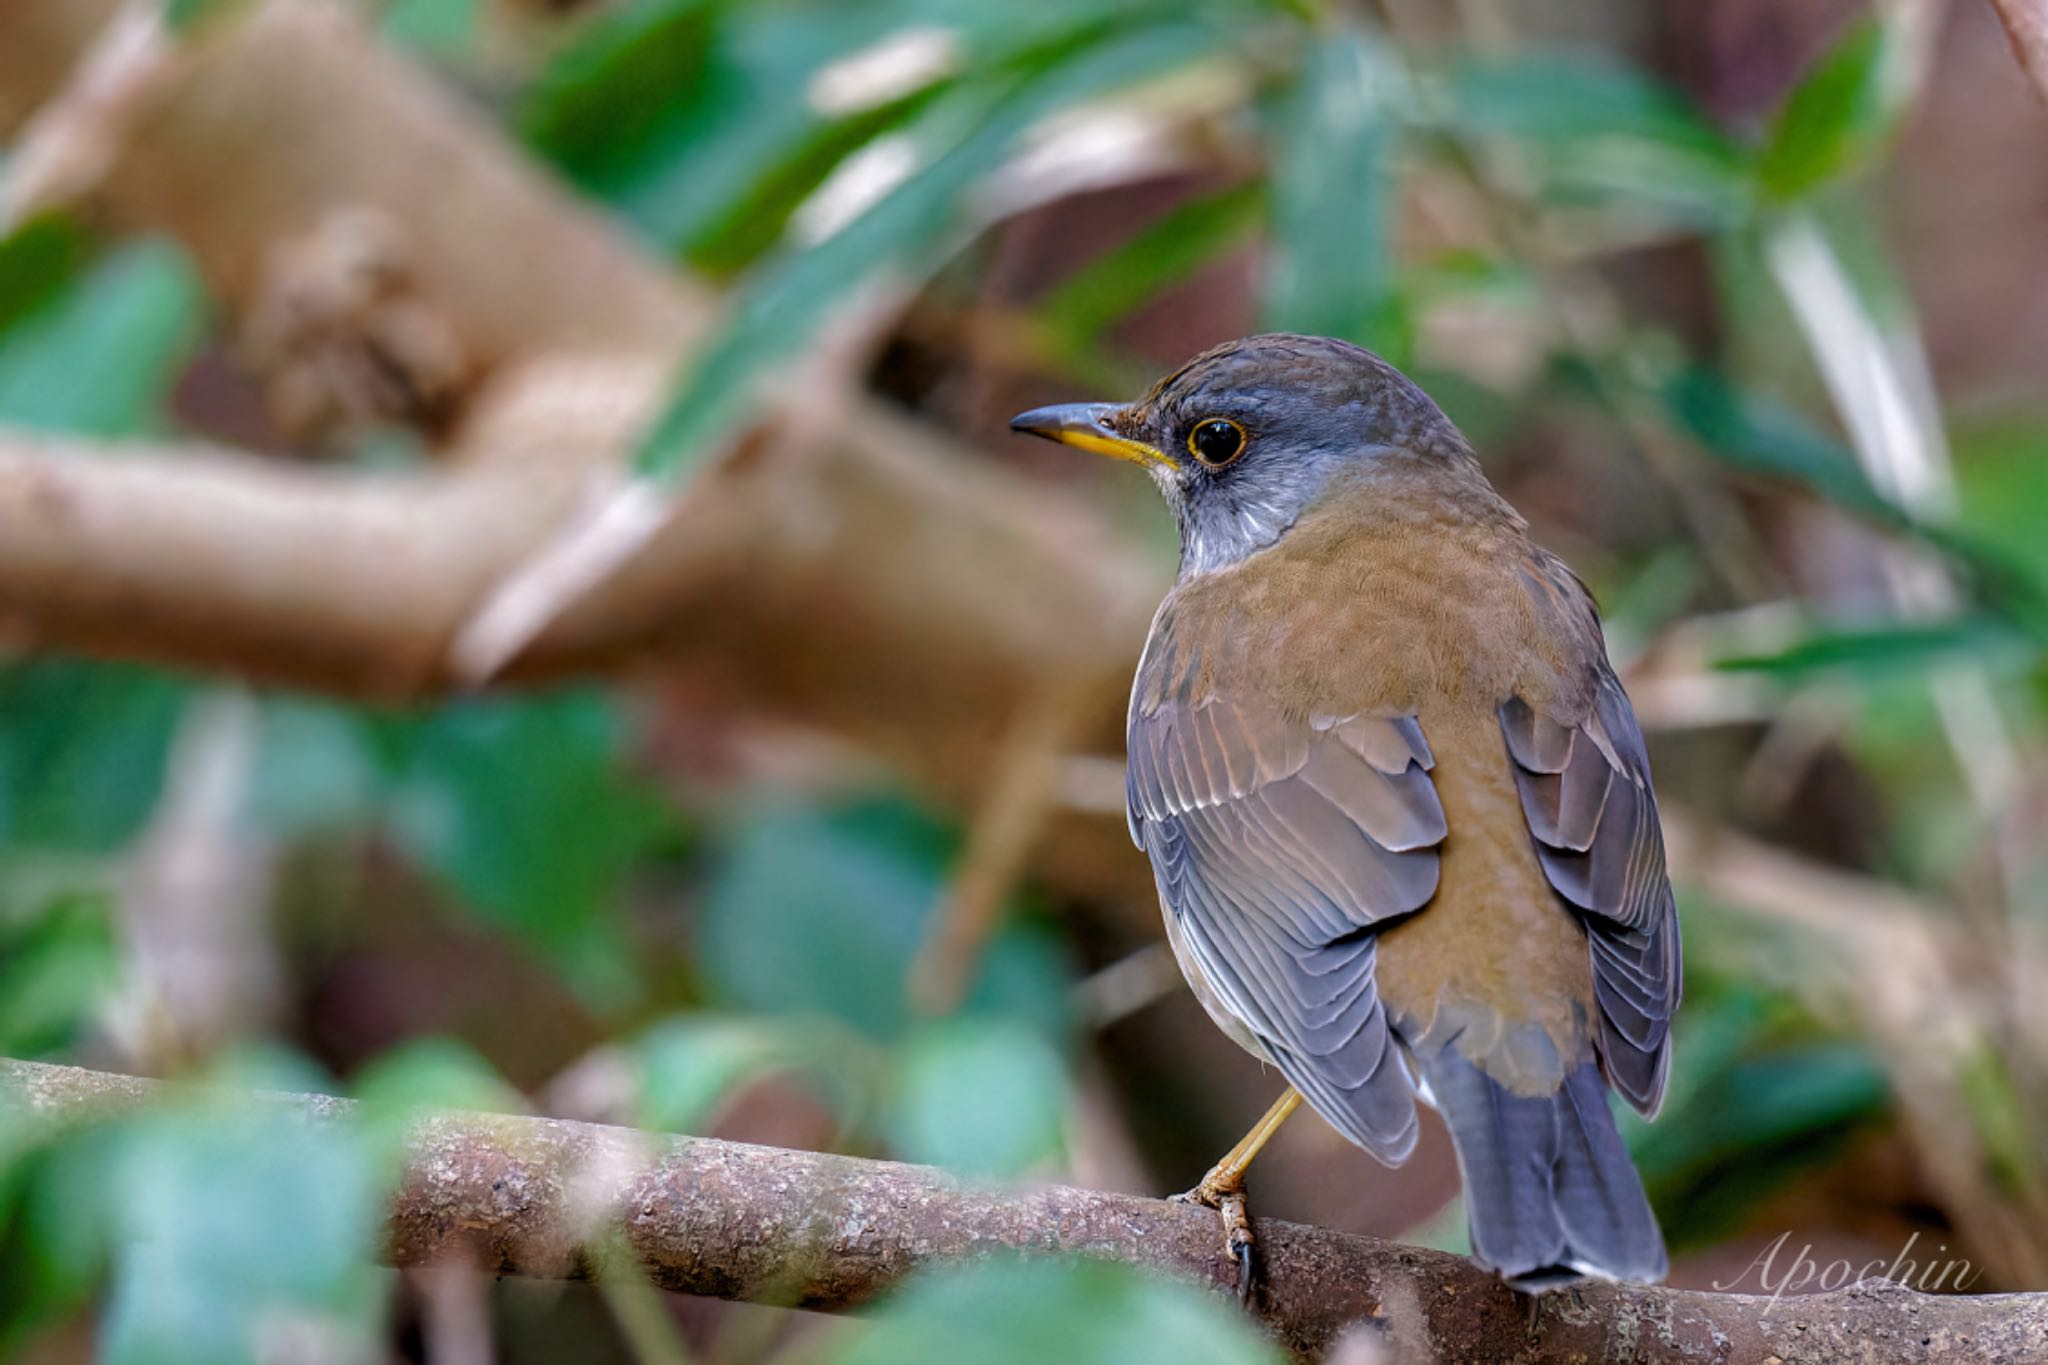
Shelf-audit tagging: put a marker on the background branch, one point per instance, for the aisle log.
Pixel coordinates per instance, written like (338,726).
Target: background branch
(799,578)
(529,1196)
(2026,27)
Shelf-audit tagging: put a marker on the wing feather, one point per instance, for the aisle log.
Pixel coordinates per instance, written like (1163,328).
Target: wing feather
(1586,795)
(1280,847)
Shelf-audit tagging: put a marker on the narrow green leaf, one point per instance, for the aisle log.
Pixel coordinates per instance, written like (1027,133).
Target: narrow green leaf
(783,305)
(1759,436)
(758,216)
(704,122)
(1601,131)
(1998,1112)
(1116,283)
(1333,197)
(1838,116)
(598,105)
(1754,1098)
(1901,647)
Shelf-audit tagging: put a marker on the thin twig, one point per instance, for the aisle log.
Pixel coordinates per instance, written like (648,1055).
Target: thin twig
(1021,797)
(2026,28)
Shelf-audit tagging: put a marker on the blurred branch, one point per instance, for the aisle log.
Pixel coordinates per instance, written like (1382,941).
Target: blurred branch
(193,906)
(74,138)
(542,1198)
(796,578)
(316,118)
(800,578)
(2026,27)
(1022,796)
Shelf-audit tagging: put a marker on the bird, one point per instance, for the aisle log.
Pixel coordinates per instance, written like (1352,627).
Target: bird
(1397,805)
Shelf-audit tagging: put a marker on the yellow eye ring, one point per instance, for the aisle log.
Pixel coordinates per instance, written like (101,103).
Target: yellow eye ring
(1216,441)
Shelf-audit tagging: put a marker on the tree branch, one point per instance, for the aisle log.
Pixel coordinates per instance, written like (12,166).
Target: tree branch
(527,1196)
(857,575)
(2026,28)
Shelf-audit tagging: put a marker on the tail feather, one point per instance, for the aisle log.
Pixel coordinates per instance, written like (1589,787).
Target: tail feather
(1549,1188)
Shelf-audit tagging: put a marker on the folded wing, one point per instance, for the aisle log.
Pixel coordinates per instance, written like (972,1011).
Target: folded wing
(1585,791)
(1280,848)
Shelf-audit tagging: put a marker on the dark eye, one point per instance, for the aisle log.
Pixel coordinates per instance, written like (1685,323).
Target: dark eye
(1216,441)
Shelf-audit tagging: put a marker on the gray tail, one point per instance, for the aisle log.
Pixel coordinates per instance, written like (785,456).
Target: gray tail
(1549,1188)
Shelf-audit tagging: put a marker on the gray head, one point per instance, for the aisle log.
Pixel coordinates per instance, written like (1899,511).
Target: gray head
(1244,437)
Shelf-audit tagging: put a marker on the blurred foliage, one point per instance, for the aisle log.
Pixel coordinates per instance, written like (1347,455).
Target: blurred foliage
(716,945)
(1083,1312)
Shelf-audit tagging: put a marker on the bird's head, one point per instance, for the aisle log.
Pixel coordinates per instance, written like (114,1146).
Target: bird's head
(1245,437)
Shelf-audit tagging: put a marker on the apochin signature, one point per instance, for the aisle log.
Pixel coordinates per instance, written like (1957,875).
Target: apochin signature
(1799,1271)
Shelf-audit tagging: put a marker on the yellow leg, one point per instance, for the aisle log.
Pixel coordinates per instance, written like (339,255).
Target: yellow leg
(1222,1188)
(1227,1175)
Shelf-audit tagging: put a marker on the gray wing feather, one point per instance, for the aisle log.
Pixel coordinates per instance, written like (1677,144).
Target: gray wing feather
(1586,795)
(1279,846)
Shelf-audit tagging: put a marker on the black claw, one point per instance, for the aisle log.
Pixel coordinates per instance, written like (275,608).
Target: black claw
(1247,1271)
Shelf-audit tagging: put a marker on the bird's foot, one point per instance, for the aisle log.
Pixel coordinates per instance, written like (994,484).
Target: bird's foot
(1227,1198)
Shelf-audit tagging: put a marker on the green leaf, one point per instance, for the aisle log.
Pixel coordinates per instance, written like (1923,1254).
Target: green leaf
(57,1225)
(1333,196)
(961,139)
(822,911)
(418,1078)
(57,965)
(608,93)
(700,121)
(239,1229)
(691,1064)
(38,261)
(981,1097)
(1076,1312)
(1114,284)
(1839,116)
(83,749)
(427,1074)
(1901,647)
(1759,436)
(1755,1100)
(522,806)
(1601,132)
(98,358)
(2002,473)
(316,769)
